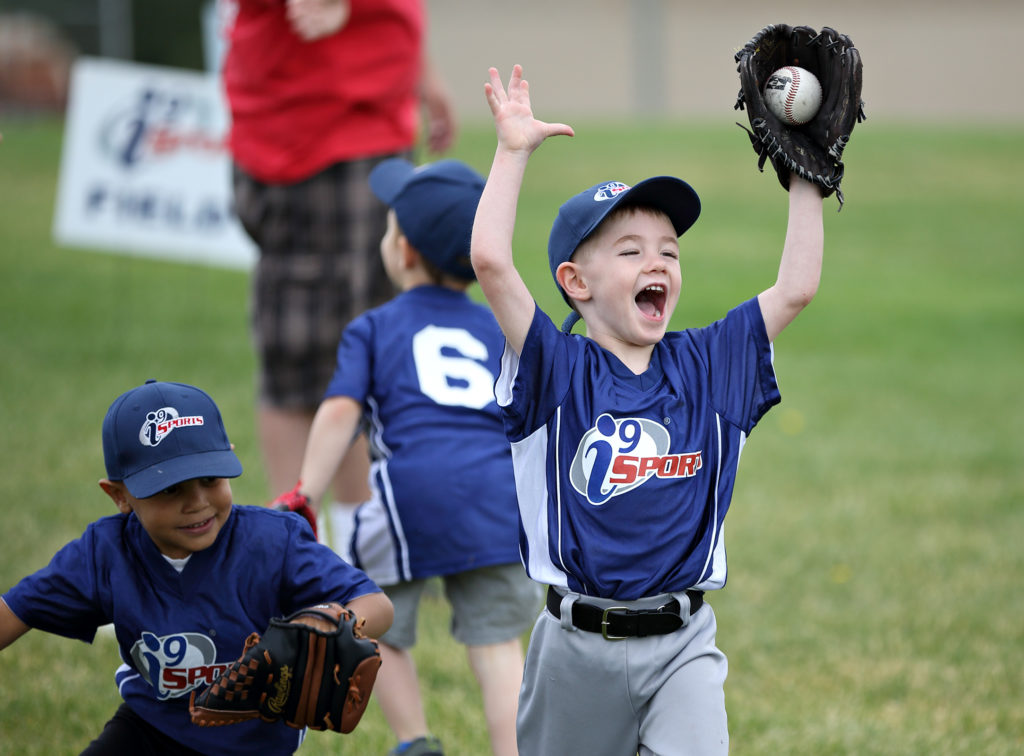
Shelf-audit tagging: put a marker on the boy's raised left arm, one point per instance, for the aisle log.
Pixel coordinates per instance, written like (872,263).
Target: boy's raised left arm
(800,267)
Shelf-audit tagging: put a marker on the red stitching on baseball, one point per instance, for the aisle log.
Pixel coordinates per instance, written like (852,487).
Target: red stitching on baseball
(791,96)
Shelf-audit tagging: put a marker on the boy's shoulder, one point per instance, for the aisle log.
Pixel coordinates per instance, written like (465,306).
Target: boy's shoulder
(111,539)
(258,524)
(109,528)
(255,516)
(426,305)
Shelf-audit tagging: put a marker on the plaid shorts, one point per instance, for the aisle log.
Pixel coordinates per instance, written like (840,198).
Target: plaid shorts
(318,268)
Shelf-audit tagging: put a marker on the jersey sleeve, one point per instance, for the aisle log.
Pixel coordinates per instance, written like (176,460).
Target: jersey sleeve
(531,386)
(314,573)
(64,597)
(353,369)
(739,361)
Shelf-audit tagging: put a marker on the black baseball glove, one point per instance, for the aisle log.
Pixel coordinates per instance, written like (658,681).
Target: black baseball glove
(814,150)
(314,668)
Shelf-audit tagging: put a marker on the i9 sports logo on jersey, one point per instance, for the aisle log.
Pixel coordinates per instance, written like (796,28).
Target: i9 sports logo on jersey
(617,455)
(175,664)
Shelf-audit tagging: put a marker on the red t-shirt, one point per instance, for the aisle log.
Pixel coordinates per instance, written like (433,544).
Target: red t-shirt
(297,107)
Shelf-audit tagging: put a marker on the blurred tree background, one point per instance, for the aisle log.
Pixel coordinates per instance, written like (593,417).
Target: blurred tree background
(147,31)
(40,39)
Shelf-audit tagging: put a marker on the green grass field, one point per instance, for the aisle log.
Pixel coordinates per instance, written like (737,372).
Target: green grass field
(875,603)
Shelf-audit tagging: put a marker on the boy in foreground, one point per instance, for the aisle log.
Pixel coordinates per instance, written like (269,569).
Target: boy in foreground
(626,443)
(174,573)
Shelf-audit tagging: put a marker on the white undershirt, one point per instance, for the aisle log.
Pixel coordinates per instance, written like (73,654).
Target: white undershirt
(178,564)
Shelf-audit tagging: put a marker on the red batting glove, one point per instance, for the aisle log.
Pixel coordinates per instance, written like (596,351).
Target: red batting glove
(298,502)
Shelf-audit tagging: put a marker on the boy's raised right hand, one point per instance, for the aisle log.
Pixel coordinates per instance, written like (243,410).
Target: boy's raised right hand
(298,502)
(518,130)
(519,134)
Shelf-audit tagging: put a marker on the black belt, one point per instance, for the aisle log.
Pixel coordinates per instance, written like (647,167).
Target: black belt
(618,622)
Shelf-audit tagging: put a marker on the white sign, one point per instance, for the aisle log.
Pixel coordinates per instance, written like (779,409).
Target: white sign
(145,168)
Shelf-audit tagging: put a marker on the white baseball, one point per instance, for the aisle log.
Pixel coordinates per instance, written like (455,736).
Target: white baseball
(793,94)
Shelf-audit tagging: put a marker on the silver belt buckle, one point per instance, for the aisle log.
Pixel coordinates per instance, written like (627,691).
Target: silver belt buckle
(604,624)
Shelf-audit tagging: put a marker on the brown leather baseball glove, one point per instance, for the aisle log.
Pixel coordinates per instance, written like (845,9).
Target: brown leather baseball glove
(314,668)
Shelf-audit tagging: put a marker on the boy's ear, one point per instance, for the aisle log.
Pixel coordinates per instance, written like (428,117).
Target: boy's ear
(570,278)
(410,255)
(116,490)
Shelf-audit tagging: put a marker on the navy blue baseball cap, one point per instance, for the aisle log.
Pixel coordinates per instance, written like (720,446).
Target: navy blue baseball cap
(435,205)
(159,434)
(580,216)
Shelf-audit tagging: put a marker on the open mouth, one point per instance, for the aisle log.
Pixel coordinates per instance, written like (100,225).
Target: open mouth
(199,526)
(651,301)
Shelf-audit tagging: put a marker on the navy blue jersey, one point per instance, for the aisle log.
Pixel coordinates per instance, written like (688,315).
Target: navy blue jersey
(624,480)
(178,631)
(423,366)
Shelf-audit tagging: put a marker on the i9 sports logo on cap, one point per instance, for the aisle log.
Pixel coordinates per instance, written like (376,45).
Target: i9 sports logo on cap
(161,422)
(135,432)
(608,191)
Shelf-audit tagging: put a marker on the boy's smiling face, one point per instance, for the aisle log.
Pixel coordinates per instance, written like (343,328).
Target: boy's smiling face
(630,270)
(181,519)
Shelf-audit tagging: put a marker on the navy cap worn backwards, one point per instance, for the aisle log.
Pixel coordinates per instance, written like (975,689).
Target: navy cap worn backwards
(580,216)
(160,434)
(435,205)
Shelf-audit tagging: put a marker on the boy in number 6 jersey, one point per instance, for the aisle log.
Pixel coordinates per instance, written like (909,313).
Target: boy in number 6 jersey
(419,371)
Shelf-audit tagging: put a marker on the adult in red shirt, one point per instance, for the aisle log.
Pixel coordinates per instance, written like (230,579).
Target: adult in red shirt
(320,91)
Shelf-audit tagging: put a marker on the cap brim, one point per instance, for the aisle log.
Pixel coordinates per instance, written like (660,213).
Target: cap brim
(389,177)
(671,195)
(208,464)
